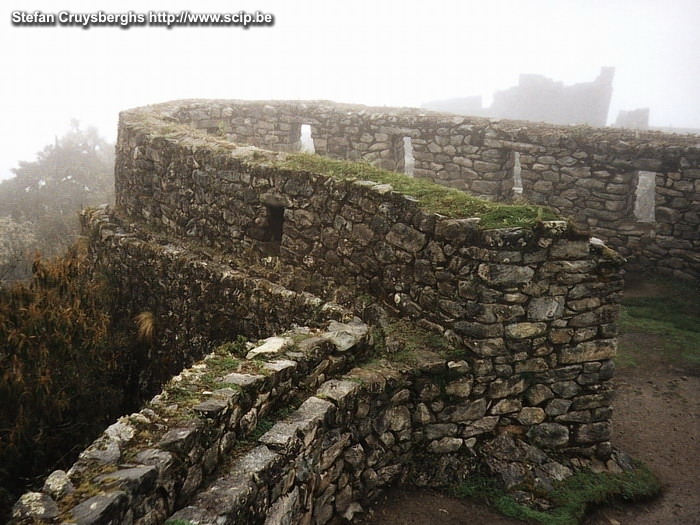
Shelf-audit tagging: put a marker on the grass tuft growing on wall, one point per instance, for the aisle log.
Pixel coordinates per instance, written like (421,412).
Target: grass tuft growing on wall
(431,196)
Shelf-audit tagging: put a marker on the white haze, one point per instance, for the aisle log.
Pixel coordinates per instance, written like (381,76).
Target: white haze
(378,52)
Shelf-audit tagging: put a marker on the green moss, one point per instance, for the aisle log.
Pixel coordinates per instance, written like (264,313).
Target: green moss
(224,360)
(570,499)
(411,339)
(236,347)
(672,313)
(431,196)
(85,488)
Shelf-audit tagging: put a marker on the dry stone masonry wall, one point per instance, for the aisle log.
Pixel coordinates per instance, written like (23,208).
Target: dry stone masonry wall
(524,389)
(590,174)
(196,302)
(152,462)
(196,452)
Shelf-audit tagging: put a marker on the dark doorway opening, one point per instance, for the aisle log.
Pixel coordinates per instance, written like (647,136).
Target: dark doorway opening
(275,224)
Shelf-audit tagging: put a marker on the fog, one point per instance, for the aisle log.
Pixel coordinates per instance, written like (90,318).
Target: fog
(397,53)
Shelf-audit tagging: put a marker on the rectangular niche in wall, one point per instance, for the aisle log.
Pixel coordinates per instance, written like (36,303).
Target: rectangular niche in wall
(307,141)
(409,162)
(645,197)
(275,227)
(517,178)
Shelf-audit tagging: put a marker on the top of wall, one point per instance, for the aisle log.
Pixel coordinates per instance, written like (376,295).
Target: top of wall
(168,123)
(599,140)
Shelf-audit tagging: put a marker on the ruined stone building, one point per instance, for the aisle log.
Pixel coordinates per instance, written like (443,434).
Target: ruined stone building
(331,333)
(539,99)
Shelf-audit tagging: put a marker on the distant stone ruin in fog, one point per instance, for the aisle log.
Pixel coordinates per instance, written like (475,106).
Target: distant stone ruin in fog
(634,119)
(541,99)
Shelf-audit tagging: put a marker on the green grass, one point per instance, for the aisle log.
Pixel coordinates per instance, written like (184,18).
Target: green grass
(570,499)
(264,425)
(673,314)
(225,360)
(431,196)
(411,339)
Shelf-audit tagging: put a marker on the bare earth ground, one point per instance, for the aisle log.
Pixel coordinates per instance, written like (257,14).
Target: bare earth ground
(656,419)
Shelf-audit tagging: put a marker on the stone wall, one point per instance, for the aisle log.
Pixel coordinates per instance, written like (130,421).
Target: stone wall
(204,450)
(196,302)
(498,291)
(590,174)
(527,310)
(540,303)
(527,320)
(153,462)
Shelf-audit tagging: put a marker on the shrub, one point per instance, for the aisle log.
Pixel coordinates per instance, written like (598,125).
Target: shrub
(56,368)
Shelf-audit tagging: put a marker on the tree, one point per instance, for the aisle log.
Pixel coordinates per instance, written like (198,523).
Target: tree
(74,172)
(17,244)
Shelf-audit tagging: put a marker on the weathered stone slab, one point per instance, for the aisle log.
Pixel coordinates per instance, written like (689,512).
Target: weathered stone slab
(445,445)
(505,275)
(345,336)
(589,351)
(211,408)
(243,380)
(549,435)
(339,391)
(301,425)
(525,330)
(34,506)
(283,511)
(58,484)
(136,479)
(406,238)
(259,463)
(100,510)
(179,439)
(271,347)
(225,498)
(545,308)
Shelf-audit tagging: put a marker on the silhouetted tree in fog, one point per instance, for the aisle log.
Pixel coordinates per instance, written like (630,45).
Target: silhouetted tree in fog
(17,244)
(74,172)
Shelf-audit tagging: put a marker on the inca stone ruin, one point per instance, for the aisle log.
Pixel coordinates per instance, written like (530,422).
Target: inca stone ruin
(387,342)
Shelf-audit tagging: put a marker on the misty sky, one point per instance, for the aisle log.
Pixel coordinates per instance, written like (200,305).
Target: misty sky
(379,52)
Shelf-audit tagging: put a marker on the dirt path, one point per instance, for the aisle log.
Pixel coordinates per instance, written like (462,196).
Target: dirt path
(656,419)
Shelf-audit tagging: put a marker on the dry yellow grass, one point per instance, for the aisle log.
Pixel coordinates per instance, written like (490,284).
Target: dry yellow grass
(145,326)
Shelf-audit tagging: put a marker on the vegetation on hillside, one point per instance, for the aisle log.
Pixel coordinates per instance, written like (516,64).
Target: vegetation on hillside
(58,369)
(39,206)
(17,243)
(670,311)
